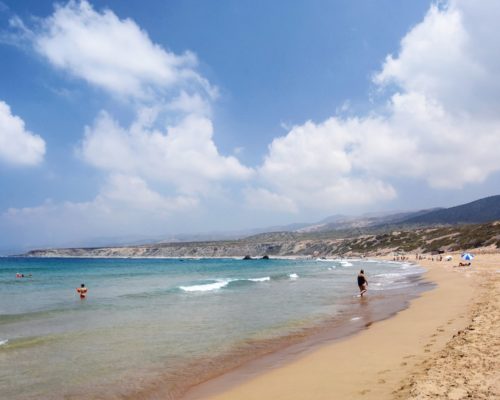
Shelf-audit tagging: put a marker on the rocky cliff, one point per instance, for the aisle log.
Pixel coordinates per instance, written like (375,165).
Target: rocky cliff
(286,244)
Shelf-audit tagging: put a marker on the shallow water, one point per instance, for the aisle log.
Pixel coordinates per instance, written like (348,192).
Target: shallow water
(163,324)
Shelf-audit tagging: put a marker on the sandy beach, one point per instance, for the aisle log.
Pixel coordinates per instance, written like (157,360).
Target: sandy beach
(445,345)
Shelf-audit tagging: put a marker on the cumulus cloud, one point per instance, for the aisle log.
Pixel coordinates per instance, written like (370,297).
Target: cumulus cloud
(183,155)
(132,192)
(163,163)
(440,124)
(112,53)
(18,146)
(450,57)
(118,56)
(314,166)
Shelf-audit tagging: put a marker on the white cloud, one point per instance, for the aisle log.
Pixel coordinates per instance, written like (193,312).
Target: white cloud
(313,165)
(171,139)
(263,199)
(163,163)
(112,53)
(132,192)
(18,146)
(184,155)
(451,57)
(125,206)
(441,124)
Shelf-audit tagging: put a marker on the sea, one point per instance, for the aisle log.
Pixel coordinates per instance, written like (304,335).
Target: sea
(153,328)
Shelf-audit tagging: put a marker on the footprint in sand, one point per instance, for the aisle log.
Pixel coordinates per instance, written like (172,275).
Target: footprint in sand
(384,371)
(409,356)
(403,364)
(363,392)
(381,381)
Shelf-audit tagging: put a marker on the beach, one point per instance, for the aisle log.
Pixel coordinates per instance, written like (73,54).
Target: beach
(445,345)
(153,328)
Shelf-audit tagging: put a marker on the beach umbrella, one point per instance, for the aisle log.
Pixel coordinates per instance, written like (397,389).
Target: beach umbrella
(467,256)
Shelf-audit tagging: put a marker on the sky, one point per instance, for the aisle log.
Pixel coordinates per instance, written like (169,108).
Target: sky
(122,120)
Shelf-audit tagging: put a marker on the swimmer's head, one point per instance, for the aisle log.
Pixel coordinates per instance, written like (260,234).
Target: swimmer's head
(83,285)
(362,271)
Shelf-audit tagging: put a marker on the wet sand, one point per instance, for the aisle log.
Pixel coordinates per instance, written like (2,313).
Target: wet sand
(445,345)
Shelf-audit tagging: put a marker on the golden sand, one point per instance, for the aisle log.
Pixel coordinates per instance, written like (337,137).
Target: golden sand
(445,345)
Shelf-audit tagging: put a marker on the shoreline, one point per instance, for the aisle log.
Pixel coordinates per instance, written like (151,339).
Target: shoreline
(235,367)
(159,383)
(373,363)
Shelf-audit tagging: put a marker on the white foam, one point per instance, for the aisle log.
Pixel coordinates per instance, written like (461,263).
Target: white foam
(293,276)
(345,264)
(355,318)
(2,342)
(206,287)
(264,279)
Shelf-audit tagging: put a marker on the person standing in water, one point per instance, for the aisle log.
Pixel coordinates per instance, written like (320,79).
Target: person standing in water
(362,283)
(82,290)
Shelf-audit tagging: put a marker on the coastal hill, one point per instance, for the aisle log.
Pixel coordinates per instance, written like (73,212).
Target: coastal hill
(478,211)
(483,210)
(468,226)
(421,240)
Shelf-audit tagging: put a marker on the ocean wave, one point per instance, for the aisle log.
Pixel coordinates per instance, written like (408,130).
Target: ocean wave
(293,276)
(222,283)
(392,286)
(264,279)
(346,264)
(396,280)
(206,287)
(401,274)
(4,341)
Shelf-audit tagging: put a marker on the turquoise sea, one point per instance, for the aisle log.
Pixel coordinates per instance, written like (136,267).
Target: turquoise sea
(152,327)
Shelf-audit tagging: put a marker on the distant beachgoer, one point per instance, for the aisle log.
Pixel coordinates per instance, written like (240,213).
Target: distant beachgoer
(82,290)
(362,283)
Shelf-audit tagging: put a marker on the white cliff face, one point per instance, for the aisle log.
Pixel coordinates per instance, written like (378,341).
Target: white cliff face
(208,249)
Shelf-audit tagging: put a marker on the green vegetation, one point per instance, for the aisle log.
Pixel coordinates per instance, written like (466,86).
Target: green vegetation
(426,240)
(399,239)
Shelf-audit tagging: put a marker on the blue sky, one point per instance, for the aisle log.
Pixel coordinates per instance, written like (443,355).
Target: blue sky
(120,119)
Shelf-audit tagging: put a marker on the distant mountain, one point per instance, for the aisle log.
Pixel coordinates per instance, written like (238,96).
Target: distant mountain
(479,211)
(342,222)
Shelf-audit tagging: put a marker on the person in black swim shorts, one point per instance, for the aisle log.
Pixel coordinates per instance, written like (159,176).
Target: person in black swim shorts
(362,283)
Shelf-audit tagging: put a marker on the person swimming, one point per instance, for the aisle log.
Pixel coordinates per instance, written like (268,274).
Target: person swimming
(82,290)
